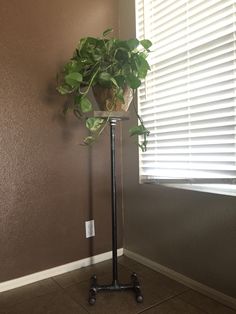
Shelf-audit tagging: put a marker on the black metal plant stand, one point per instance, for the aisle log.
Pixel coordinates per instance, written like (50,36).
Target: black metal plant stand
(115,285)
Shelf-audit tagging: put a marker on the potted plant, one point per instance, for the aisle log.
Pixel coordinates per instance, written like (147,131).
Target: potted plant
(113,70)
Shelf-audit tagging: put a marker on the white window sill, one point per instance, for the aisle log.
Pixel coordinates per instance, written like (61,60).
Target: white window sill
(224,189)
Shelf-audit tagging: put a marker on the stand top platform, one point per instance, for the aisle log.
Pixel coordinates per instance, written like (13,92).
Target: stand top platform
(119,115)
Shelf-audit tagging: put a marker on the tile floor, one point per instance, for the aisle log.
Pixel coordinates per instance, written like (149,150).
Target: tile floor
(68,294)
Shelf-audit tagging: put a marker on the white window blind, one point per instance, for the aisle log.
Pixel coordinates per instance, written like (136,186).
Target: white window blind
(188,100)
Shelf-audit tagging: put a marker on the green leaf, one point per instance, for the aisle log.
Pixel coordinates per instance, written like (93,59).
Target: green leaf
(109,44)
(94,124)
(133,43)
(72,66)
(146,43)
(82,43)
(85,105)
(73,79)
(144,54)
(121,44)
(133,81)
(114,82)
(138,130)
(120,79)
(142,66)
(96,57)
(89,140)
(120,95)
(105,78)
(91,41)
(64,89)
(122,55)
(107,31)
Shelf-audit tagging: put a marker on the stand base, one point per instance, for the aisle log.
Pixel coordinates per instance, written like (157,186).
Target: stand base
(115,286)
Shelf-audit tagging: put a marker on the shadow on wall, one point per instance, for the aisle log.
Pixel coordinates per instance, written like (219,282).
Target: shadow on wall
(69,123)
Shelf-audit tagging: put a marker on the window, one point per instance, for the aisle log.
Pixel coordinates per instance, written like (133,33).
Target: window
(188,100)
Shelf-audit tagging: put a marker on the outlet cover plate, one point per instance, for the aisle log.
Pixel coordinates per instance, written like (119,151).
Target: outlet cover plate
(89,228)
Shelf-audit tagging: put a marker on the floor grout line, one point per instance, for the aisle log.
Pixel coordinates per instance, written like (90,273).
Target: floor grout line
(28,298)
(57,283)
(163,301)
(196,306)
(76,301)
(11,307)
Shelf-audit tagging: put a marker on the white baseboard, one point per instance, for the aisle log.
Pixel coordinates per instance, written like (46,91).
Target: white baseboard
(195,285)
(22,281)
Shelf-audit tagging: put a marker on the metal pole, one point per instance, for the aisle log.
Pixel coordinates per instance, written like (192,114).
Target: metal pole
(115,286)
(113,200)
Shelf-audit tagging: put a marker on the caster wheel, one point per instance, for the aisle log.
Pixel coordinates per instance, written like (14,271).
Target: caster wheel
(139,298)
(92,296)
(92,301)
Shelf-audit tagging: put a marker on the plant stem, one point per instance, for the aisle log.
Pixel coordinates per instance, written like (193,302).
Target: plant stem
(90,83)
(143,146)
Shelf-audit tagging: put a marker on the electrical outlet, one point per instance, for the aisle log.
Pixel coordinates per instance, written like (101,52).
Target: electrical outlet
(89,228)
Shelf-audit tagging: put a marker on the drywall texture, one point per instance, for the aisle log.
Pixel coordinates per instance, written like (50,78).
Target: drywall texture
(190,232)
(49,184)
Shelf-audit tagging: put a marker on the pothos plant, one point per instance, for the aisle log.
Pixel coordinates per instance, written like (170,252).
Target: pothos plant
(109,63)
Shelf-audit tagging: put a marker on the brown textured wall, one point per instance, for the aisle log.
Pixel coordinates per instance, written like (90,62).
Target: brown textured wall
(49,184)
(190,232)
